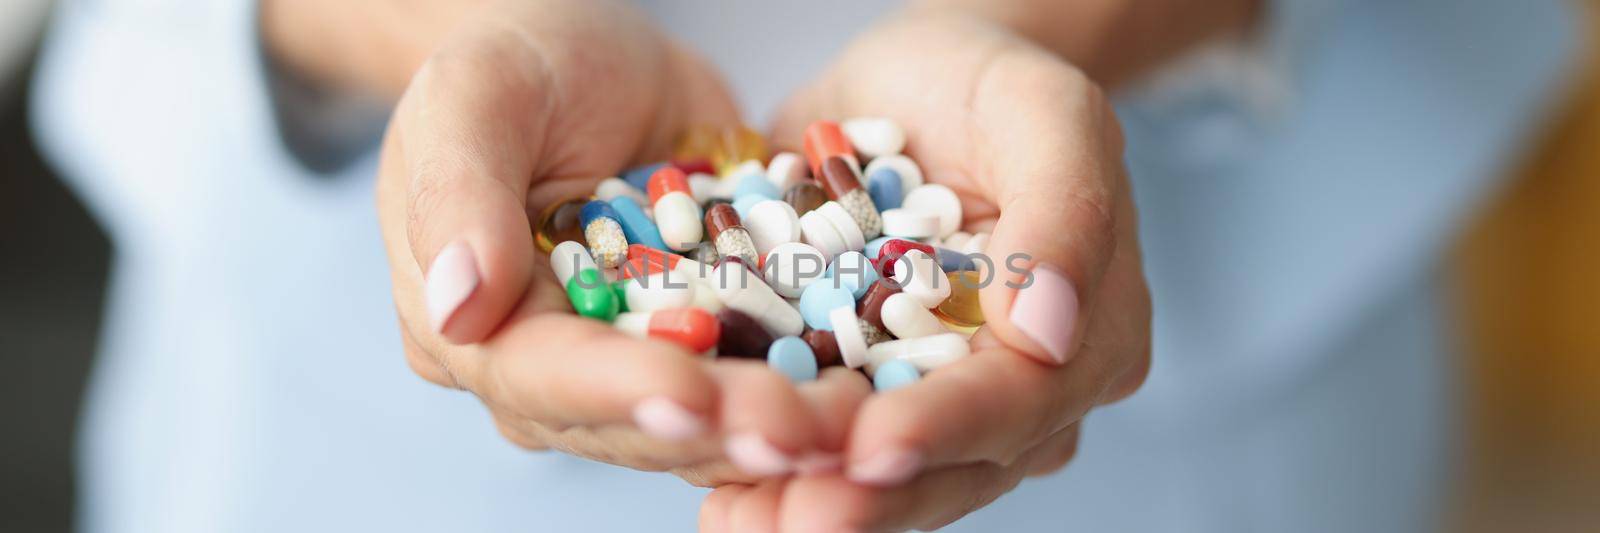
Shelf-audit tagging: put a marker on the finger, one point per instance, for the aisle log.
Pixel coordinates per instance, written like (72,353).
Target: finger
(769,426)
(932,501)
(1055,453)
(467,171)
(756,510)
(626,446)
(1055,171)
(834,398)
(716,509)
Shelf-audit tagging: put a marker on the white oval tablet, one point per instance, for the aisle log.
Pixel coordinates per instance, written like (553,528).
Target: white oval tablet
(659,291)
(874,137)
(925,353)
(909,223)
(976,245)
(705,187)
(791,267)
(678,218)
(954,241)
(854,238)
(772,223)
(919,275)
(816,231)
(847,333)
(937,199)
(786,170)
(910,173)
(610,188)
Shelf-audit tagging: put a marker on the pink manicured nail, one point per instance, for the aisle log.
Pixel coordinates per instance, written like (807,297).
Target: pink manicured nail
(817,463)
(664,419)
(1047,311)
(451,279)
(886,468)
(754,455)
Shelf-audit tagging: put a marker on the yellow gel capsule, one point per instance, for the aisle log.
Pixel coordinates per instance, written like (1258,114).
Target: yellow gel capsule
(737,145)
(559,223)
(962,309)
(698,143)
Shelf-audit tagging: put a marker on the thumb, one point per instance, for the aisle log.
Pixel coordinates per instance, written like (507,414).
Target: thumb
(1058,189)
(466,218)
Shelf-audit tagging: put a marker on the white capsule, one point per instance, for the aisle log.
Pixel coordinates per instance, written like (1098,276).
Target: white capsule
(910,173)
(816,231)
(772,223)
(976,245)
(659,291)
(740,289)
(610,188)
(853,349)
(704,187)
(786,169)
(874,137)
(919,275)
(937,199)
(909,223)
(845,224)
(925,353)
(791,267)
(906,318)
(570,258)
(678,218)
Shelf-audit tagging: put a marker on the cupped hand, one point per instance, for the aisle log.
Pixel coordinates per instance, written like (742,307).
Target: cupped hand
(524,104)
(1034,150)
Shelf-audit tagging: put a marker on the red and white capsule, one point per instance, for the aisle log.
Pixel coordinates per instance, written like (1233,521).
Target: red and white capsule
(677,214)
(690,327)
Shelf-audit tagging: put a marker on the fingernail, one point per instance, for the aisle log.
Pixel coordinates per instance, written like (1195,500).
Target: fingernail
(753,454)
(1046,312)
(818,463)
(451,279)
(886,468)
(664,419)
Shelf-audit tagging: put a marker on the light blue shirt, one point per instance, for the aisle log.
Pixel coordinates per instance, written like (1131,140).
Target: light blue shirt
(251,378)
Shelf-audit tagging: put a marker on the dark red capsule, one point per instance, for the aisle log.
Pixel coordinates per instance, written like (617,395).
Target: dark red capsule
(838,177)
(742,336)
(892,250)
(870,307)
(824,346)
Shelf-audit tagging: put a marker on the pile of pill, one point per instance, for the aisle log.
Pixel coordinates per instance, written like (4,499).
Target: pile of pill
(841,257)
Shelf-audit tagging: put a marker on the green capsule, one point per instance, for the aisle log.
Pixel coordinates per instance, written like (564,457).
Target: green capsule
(591,296)
(621,288)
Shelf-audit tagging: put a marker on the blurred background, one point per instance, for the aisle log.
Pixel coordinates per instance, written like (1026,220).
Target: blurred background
(1526,274)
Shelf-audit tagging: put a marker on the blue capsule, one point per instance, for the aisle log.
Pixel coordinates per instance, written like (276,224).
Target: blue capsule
(886,189)
(597,209)
(793,358)
(821,297)
(639,176)
(894,374)
(635,225)
(756,185)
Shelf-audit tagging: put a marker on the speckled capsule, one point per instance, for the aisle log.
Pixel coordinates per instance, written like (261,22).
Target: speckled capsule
(729,234)
(805,197)
(843,185)
(603,229)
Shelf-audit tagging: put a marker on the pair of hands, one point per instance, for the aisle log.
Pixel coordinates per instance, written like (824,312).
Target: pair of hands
(528,103)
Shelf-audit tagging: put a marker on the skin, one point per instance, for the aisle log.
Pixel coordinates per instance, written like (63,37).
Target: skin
(505,107)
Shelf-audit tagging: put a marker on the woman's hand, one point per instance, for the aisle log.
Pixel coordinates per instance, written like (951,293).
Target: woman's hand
(526,103)
(1034,149)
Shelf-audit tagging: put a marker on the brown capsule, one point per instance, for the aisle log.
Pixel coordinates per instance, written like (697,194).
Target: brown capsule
(824,346)
(870,308)
(742,336)
(838,177)
(805,197)
(719,218)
